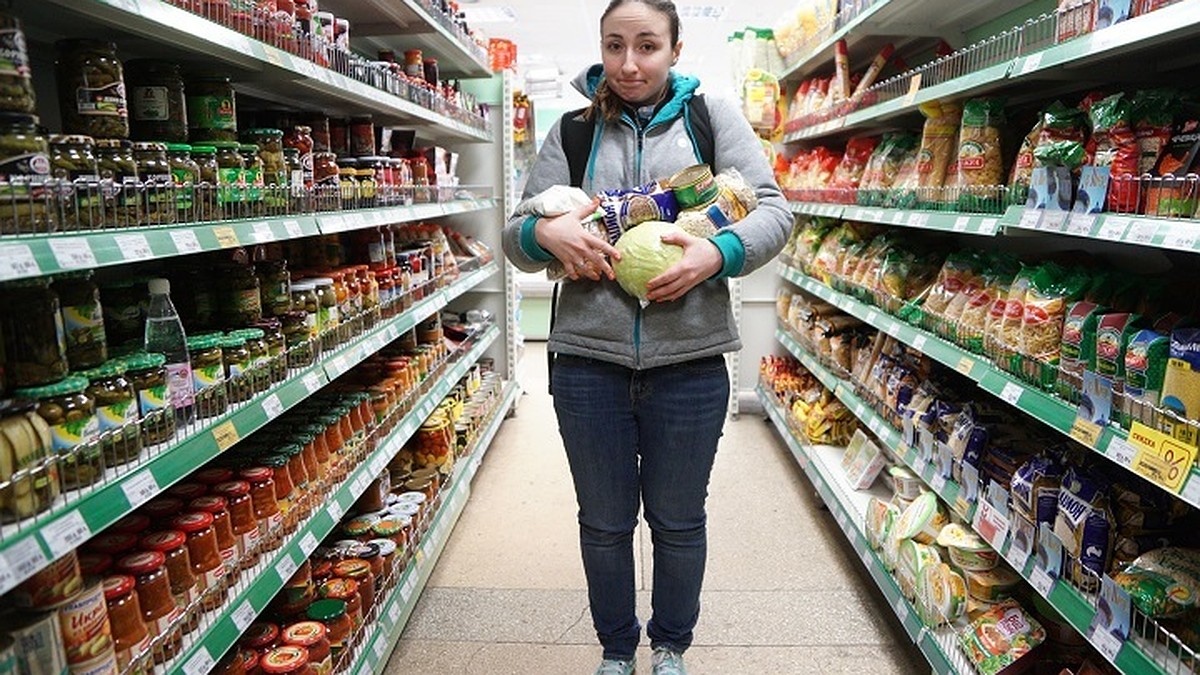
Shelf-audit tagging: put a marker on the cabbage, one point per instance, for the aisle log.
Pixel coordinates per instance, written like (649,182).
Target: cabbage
(645,256)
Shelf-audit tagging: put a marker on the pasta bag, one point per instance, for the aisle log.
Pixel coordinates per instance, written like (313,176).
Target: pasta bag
(980,162)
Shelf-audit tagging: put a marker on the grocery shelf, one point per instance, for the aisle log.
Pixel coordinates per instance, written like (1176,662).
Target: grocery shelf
(1049,410)
(1065,598)
(817,209)
(27,547)
(941,221)
(821,56)
(821,463)
(308,85)
(1176,234)
(389,24)
(37,255)
(273,572)
(373,651)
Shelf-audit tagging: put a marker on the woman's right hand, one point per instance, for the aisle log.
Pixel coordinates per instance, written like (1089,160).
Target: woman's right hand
(581,253)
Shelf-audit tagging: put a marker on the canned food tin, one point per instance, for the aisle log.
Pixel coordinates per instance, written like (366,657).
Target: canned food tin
(86,633)
(694,186)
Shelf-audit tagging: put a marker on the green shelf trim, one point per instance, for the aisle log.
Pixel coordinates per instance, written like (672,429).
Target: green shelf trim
(68,525)
(270,577)
(1175,234)
(817,209)
(942,221)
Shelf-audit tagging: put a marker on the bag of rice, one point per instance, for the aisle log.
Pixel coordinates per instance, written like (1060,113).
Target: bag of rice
(1181,385)
(1146,358)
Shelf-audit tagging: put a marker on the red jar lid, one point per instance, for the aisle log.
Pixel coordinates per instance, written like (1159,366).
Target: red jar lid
(256,474)
(118,585)
(213,475)
(249,659)
(233,488)
(210,504)
(283,659)
(142,563)
(260,635)
(163,507)
(304,633)
(95,564)
(339,589)
(134,523)
(113,543)
(187,491)
(193,521)
(352,569)
(165,540)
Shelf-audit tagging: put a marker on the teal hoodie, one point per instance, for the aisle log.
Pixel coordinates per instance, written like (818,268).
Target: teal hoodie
(596,318)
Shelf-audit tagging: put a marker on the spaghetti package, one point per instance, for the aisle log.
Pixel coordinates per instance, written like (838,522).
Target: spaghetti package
(1022,169)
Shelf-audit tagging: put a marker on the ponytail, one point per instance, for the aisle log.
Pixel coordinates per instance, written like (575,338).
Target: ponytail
(606,105)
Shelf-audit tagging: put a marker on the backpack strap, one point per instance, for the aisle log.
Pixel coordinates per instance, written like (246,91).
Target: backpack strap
(577,132)
(702,130)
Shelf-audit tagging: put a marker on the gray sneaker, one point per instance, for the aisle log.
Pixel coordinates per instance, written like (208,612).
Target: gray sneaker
(667,662)
(616,667)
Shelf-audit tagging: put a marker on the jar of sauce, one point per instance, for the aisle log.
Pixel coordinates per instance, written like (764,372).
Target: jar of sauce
(338,627)
(172,544)
(130,636)
(243,519)
(159,609)
(205,555)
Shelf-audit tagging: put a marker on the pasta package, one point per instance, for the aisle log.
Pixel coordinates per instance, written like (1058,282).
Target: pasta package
(938,142)
(849,172)
(1153,112)
(1084,524)
(1114,144)
(1022,168)
(1034,489)
(1113,332)
(1181,384)
(1078,346)
(980,159)
(1045,311)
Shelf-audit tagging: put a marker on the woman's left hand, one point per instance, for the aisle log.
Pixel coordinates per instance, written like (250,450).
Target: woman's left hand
(701,260)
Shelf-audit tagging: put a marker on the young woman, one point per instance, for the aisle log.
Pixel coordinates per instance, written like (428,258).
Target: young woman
(641,394)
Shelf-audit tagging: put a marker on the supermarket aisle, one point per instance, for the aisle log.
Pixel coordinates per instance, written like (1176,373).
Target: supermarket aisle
(784,592)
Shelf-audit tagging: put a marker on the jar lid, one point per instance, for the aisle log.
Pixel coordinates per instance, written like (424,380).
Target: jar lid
(326,610)
(290,449)
(249,659)
(303,286)
(193,521)
(357,527)
(203,150)
(110,368)
(248,147)
(277,133)
(113,144)
(94,564)
(230,341)
(164,540)
(233,488)
(250,333)
(203,342)
(304,633)
(386,547)
(225,145)
(72,384)
(322,282)
(118,585)
(144,361)
(284,659)
(213,475)
(162,507)
(291,152)
(113,542)
(14,119)
(388,527)
(352,569)
(71,139)
(187,490)
(347,162)
(142,562)
(16,406)
(209,504)
(149,146)
(134,523)
(260,634)
(257,473)
(275,461)
(338,588)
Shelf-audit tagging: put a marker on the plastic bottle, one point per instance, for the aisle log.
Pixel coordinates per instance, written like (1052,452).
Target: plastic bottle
(164,335)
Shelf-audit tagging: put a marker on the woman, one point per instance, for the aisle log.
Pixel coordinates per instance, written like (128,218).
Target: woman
(641,394)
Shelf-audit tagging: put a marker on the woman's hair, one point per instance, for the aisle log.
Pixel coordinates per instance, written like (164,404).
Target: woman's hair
(605,103)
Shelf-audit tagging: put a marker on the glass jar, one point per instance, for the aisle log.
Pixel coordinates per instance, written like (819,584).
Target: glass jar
(16,83)
(274,287)
(254,180)
(157,109)
(95,565)
(172,544)
(160,611)
(348,183)
(304,297)
(158,184)
(300,138)
(211,109)
(345,590)
(185,172)
(261,636)
(227,542)
(148,375)
(260,357)
(362,136)
(119,183)
(129,633)
(117,412)
(134,523)
(91,89)
(274,168)
(339,138)
(319,123)
(112,544)
(73,163)
(82,318)
(236,359)
(320,447)
(162,508)
(205,555)
(287,660)
(25,165)
(326,180)
(302,479)
(285,490)
(241,302)
(360,572)
(243,519)
(297,189)
(299,342)
(367,196)
(187,490)
(272,329)
(208,374)
(231,178)
(338,627)
(312,635)
(262,495)
(333,432)
(74,429)
(207,190)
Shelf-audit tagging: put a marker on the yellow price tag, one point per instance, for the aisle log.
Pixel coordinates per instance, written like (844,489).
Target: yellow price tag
(226,237)
(1160,458)
(1085,432)
(1182,431)
(226,435)
(965,365)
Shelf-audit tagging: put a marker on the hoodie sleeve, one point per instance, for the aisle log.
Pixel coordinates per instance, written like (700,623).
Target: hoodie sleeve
(549,169)
(760,236)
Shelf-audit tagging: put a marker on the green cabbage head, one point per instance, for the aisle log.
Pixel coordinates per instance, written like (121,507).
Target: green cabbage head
(644,255)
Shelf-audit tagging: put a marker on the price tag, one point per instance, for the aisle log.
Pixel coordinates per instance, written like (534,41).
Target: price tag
(901,608)
(1031,219)
(133,246)
(272,406)
(1120,451)
(408,427)
(1085,432)
(1141,232)
(186,241)
(965,365)
(874,425)
(226,435)
(243,616)
(262,232)
(918,219)
(73,253)
(1113,229)
(335,510)
(914,85)
(1011,393)
(1022,544)
(1191,491)
(201,662)
(920,463)
(286,567)
(840,516)
(394,613)
(918,343)
(1160,458)
(16,261)
(991,524)
(293,228)
(22,560)
(140,489)
(380,648)
(892,329)
(1080,224)
(1042,582)
(406,591)
(1031,63)
(1181,237)
(226,237)
(988,225)
(1106,643)
(308,543)
(872,317)
(312,382)
(66,534)
(960,223)
(897,218)
(939,482)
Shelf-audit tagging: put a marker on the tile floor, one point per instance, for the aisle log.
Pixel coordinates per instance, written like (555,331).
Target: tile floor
(784,593)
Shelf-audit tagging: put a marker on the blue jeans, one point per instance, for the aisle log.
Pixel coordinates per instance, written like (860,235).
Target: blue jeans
(669,418)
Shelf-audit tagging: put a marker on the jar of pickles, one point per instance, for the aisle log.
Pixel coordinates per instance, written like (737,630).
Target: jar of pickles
(272,329)
(206,191)
(300,344)
(235,357)
(274,168)
(158,111)
(25,166)
(119,183)
(185,172)
(116,410)
(73,163)
(82,318)
(274,287)
(231,180)
(260,356)
(74,428)
(91,89)
(211,109)
(304,297)
(241,302)
(158,184)
(254,179)
(148,375)
(208,375)
(29,469)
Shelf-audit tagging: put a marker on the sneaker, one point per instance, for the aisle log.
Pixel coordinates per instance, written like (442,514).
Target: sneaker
(616,667)
(667,662)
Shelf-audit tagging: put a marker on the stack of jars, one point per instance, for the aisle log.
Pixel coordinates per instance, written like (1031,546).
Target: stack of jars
(231,368)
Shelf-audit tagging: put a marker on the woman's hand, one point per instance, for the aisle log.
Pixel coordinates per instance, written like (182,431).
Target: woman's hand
(581,252)
(701,259)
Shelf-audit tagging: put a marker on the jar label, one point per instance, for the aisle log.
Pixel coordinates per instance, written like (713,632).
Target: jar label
(83,326)
(153,398)
(324,666)
(238,369)
(28,164)
(296,181)
(164,623)
(106,101)
(208,376)
(180,384)
(125,656)
(310,322)
(212,113)
(185,597)
(184,191)
(160,188)
(249,540)
(69,435)
(14,57)
(229,185)
(229,555)
(254,184)
(327,317)
(117,415)
(375,252)
(150,104)
(214,577)
(246,303)
(306,166)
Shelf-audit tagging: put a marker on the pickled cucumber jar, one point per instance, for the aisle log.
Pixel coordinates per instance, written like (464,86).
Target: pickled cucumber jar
(236,358)
(25,169)
(205,157)
(73,164)
(274,168)
(252,175)
(274,287)
(157,108)
(231,178)
(74,429)
(185,173)
(298,194)
(117,411)
(304,297)
(29,471)
(82,318)
(158,185)
(208,374)
(366,186)
(348,183)
(295,332)
(327,312)
(91,89)
(240,298)
(260,356)
(119,182)
(35,347)
(148,375)
(211,109)
(16,82)
(276,347)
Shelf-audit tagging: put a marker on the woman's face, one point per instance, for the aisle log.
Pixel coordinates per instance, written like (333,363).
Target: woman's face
(636,45)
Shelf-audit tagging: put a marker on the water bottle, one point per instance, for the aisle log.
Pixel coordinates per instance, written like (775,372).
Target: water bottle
(164,335)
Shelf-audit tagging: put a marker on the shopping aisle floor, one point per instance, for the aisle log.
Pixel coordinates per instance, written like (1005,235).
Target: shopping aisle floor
(784,592)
